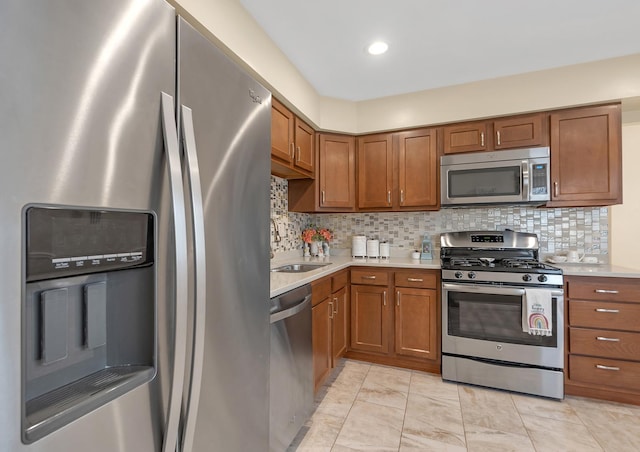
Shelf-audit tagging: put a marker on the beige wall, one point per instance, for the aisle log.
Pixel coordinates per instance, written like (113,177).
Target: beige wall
(625,218)
(227,23)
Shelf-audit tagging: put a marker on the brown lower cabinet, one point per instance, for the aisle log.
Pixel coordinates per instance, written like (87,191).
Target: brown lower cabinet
(603,338)
(394,317)
(329,323)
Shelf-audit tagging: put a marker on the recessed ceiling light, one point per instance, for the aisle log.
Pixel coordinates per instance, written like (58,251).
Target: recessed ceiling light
(378,48)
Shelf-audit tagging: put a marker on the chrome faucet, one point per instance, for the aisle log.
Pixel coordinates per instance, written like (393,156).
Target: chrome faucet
(276,236)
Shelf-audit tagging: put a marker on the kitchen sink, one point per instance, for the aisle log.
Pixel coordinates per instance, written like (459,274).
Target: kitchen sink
(297,268)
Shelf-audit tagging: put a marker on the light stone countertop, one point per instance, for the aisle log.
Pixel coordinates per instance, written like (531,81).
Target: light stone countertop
(283,282)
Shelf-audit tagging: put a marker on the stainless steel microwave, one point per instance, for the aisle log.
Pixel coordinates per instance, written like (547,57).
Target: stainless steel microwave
(503,177)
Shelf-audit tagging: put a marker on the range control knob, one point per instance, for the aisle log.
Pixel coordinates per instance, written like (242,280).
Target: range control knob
(542,278)
(458,275)
(526,278)
(471,275)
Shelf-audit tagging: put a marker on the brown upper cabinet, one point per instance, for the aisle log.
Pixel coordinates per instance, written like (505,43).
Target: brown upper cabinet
(417,170)
(375,171)
(586,157)
(398,171)
(292,144)
(334,188)
(500,133)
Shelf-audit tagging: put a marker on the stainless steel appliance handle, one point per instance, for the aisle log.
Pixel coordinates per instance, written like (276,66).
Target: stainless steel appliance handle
(277,316)
(525,180)
(475,288)
(181,287)
(200,295)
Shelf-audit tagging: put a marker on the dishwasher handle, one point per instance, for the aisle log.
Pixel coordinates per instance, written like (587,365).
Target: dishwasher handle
(290,312)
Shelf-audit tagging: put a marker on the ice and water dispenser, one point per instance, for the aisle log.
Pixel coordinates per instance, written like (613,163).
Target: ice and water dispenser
(88,333)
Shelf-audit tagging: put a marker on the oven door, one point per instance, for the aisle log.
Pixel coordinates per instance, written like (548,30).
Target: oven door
(486,322)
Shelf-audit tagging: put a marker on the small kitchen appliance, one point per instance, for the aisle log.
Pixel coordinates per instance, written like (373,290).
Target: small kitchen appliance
(487,280)
(359,246)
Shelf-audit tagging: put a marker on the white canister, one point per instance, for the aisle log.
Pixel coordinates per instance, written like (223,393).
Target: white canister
(384,249)
(359,246)
(373,248)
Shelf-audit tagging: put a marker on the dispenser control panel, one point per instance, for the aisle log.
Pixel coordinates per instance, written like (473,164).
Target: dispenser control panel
(63,242)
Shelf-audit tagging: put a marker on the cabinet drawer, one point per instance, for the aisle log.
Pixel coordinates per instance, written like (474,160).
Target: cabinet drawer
(372,277)
(416,279)
(606,289)
(605,372)
(605,343)
(320,290)
(610,316)
(339,280)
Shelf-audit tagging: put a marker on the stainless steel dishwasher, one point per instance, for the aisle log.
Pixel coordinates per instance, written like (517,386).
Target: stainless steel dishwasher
(291,364)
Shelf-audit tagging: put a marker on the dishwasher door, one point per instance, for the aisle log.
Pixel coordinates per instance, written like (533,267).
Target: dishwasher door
(291,364)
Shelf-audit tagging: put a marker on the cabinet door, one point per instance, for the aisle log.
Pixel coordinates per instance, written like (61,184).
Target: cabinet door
(467,137)
(369,319)
(282,121)
(416,323)
(375,171)
(517,132)
(337,170)
(417,168)
(586,156)
(321,341)
(304,157)
(339,325)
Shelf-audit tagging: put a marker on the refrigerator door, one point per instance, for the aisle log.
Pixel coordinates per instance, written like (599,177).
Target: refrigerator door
(231,122)
(81,126)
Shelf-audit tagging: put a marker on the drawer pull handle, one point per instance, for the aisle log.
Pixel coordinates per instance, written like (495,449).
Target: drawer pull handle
(600,366)
(398,299)
(482,139)
(331,309)
(415,279)
(335,311)
(369,277)
(606,291)
(612,311)
(609,339)
(384,298)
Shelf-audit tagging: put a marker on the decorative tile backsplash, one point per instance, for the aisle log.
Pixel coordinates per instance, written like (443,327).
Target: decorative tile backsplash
(583,229)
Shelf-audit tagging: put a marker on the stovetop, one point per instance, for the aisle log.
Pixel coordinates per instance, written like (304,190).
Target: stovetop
(495,257)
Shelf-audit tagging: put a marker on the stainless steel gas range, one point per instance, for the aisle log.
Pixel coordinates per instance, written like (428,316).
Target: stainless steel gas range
(489,279)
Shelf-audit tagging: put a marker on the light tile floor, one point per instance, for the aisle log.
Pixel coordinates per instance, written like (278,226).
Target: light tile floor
(367,407)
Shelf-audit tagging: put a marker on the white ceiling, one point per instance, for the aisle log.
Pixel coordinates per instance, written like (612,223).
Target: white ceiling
(435,43)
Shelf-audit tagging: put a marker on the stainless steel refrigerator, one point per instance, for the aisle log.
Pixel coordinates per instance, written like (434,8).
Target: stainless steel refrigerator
(134,209)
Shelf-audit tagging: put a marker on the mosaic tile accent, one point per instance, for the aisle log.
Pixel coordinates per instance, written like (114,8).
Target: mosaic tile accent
(583,229)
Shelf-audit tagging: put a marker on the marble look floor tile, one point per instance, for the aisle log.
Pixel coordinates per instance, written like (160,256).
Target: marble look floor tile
(481,439)
(581,403)
(429,419)
(374,391)
(615,430)
(337,401)
(433,386)
(554,435)
(421,444)
(552,409)
(389,377)
(371,427)
(318,434)
(489,408)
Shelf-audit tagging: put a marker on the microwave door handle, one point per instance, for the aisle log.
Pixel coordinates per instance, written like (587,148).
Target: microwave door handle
(525,180)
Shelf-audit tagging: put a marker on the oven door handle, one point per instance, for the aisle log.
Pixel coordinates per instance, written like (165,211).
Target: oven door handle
(493,289)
